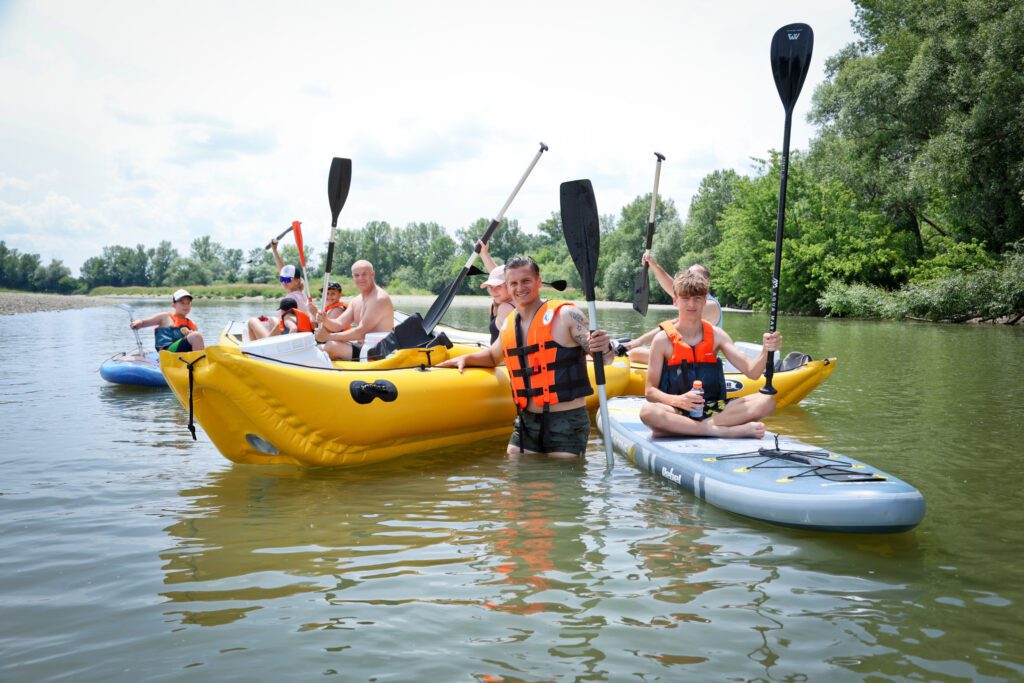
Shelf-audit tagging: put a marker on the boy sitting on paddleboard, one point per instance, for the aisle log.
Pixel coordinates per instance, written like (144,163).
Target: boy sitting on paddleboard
(174,331)
(687,350)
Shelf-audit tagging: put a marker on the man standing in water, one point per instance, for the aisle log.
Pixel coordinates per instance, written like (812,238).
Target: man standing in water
(371,311)
(544,346)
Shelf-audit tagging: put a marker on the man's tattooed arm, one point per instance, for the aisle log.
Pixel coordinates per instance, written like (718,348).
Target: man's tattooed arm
(579,326)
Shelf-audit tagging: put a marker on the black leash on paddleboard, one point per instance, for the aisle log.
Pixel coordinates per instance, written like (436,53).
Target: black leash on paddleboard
(832,471)
(191,385)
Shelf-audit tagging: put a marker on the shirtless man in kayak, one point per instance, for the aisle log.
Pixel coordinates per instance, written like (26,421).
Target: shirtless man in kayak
(687,350)
(371,311)
(553,417)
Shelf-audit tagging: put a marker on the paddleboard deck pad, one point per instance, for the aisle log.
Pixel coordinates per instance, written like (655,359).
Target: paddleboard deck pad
(774,479)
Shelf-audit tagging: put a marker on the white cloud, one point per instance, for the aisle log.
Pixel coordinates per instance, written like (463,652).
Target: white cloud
(126,122)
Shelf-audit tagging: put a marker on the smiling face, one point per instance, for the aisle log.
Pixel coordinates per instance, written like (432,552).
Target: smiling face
(332,296)
(362,275)
(523,284)
(183,306)
(499,294)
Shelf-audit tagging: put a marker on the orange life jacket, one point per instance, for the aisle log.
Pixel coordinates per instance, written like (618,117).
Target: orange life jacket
(541,369)
(344,307)
(303,321)
(165,336)
(689,363)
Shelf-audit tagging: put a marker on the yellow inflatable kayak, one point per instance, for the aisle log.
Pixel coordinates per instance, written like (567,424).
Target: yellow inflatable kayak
(793,381)
(349,413)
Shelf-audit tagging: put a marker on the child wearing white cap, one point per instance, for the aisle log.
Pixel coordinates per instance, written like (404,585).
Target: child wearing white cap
(174,331)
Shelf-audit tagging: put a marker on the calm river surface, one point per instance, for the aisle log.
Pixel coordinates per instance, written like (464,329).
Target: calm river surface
(131,553)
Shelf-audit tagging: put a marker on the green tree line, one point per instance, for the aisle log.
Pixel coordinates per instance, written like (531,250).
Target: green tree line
(909,201)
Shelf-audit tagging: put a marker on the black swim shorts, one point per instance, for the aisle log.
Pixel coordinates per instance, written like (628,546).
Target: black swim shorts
(565,432)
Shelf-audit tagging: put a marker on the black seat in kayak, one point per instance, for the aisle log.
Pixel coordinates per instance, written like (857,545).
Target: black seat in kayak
(408,334)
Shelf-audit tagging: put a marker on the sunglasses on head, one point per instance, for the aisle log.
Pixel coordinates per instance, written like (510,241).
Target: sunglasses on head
(285,279)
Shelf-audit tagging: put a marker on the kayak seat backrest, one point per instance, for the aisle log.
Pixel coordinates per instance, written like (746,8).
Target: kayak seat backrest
(408,334)
(792,361)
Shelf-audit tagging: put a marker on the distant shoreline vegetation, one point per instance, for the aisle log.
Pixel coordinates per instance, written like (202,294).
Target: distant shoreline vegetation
(908,203)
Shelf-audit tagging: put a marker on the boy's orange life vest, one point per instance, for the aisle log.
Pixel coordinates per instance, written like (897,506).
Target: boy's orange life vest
(689,363)
(301,319)
(541,369)
(344,307)
(165,336)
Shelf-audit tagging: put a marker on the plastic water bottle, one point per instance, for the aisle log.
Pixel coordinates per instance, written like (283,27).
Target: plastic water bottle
(698,386)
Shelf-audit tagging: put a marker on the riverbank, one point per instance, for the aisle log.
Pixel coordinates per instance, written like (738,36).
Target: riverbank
(13,303)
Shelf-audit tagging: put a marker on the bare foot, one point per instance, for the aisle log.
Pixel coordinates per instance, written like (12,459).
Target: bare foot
(752,430)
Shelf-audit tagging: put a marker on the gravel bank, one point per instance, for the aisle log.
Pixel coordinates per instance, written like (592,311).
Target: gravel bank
(12,303)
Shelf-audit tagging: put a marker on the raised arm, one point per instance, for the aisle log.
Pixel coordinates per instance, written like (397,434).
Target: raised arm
(664,279)
(485,256)
(277,257)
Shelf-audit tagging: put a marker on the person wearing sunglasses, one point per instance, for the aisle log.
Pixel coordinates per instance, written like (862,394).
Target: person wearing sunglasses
(294,287)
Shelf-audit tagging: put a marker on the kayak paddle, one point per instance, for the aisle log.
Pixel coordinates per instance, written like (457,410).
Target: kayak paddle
(791,50)
(582,228)
(641,295)
(276,239)
(297,232)
(338,183)
(444,300)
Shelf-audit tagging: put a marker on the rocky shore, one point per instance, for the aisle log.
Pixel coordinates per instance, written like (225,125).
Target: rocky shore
(12,303)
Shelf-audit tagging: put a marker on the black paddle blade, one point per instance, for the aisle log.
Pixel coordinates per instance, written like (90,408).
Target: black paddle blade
(792,46)
(338,183)
(582,229)
(641,296)
(558,285)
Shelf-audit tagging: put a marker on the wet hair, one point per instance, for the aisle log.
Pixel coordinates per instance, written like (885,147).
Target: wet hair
(690,283)
(701,269)
(521,261)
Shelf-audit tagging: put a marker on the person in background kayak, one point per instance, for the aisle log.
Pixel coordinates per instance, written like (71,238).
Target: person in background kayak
(334,306)
(544,346)
(686,350)
(294,287)
(370,312)
(291,319)
(638,348)
(174,331)
(501,299)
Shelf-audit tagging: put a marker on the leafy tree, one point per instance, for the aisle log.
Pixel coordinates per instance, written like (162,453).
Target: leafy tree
(160,260)
(619,263)
(922,117)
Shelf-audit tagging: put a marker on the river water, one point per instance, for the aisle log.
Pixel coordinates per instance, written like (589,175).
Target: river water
(130,552)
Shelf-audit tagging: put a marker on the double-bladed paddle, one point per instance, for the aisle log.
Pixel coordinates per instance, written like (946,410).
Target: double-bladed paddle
(641,295)
(582,228)
(444,300)
(791,51)
(338,183)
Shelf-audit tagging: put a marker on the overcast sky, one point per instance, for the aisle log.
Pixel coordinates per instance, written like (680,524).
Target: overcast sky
(134,122)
